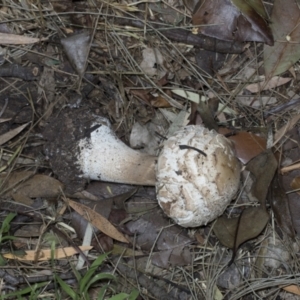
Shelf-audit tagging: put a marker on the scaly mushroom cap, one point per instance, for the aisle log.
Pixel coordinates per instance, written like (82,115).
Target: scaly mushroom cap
(194,189)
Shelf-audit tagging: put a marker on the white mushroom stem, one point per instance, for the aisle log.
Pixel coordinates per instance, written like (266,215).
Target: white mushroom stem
(104,157)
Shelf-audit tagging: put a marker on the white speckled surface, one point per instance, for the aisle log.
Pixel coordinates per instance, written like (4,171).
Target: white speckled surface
(194,189)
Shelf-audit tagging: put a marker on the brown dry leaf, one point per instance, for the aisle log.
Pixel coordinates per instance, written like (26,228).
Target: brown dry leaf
(225,229)
(285,21)
(262,169)
(280,207)
(285,128)
(103,207)
(235,231)
(295,184)
(47,254)
(98,221)
(15,39)
(247,145)
(12,133)
(295,289)
(159,101)
(32,186)
(27,185)
(236,20)
(267,84)
(252,222)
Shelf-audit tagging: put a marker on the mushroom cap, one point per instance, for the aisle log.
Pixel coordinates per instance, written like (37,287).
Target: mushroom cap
(194,189)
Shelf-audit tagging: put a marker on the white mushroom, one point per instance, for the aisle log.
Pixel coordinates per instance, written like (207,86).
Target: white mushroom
(196,176)
(195,185)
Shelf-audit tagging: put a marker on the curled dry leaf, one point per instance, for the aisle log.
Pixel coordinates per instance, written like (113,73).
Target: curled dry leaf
(235,20)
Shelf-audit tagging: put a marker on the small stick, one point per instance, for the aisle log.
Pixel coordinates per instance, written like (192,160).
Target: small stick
(184,147)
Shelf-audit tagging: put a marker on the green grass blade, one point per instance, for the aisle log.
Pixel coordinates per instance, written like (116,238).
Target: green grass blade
(121,296)
(102,292)
(6,223)
(67,289)
(134,294)
(23,292)
(86,278)
(98,277)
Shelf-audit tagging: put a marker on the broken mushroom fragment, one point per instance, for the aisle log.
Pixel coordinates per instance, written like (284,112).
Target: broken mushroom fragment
(196,174)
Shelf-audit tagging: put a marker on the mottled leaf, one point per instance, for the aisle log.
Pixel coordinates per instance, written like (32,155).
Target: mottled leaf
(285,21)
(236,20)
